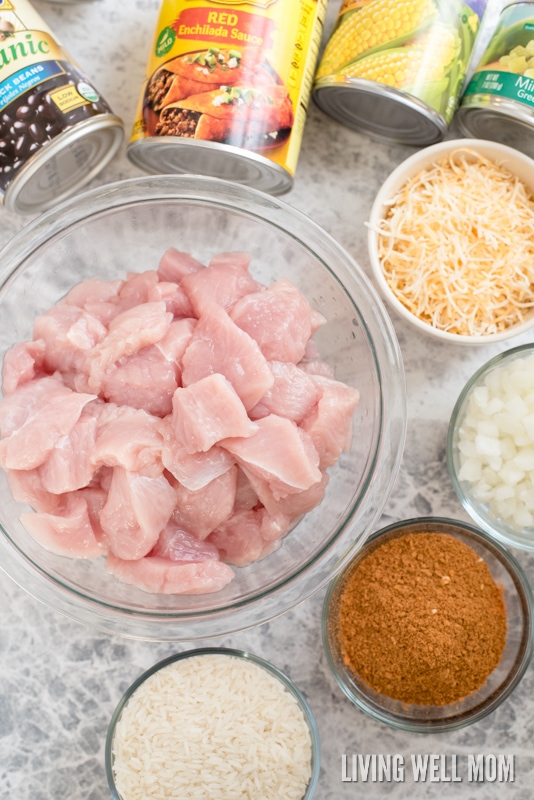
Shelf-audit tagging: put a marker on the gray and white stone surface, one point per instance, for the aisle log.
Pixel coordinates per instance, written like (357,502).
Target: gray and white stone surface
(60,681)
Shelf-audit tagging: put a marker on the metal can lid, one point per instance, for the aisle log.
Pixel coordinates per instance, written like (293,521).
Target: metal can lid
(65,164)
(176,155)
(501,121)
(381,111)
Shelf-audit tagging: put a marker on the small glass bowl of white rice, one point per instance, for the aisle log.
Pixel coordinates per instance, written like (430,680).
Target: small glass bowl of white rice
(490,447)
(213,722)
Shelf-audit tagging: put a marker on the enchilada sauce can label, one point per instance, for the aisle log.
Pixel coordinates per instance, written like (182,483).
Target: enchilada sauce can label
(415,53)
(56,131)
(506,69)
(229,83)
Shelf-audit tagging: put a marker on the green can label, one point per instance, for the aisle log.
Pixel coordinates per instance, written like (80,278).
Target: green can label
(506,69)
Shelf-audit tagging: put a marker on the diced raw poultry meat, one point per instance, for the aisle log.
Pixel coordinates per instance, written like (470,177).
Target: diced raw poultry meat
(129,438)
(26,487)
(68,466)
(223,283)
(144,380)
(137,287)
(128,333)
(218,345)
(177,544)
(236,258)
(136,511)
(245,496)
(95,497)
(162,576)
(69,333)
(202,511)
(174,343)
(208,411)
(279,453)
(174,265)
(241,539)
(292,395)
(34,418)
(22,363)
(176,300)
(92,291)
(294,505)
(317,367)
(329,424)
(279,319)
(196,470)
(68,533)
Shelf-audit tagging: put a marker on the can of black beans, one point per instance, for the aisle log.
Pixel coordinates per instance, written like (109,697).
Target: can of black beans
(56,130)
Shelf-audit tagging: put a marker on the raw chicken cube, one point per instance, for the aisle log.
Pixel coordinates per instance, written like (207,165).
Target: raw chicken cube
(202,511)
(22,363)
(292,395)
(279,453)
(67,533)
(145,380)
(218,345)
(128,333)
(136,511)
(248,536)
(162,576)
(35,418)
(129,438)
(223,283)
(174,265)
(330,423)
(69,334)
(196,470)
(206,412)
(279,319)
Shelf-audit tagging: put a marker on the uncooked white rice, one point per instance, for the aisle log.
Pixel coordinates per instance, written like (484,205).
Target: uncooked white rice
(212,726)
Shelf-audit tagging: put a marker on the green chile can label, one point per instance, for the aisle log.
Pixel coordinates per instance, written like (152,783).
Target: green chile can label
(506,70)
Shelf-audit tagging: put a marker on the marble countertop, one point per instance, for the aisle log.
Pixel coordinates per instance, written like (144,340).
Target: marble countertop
(60,681)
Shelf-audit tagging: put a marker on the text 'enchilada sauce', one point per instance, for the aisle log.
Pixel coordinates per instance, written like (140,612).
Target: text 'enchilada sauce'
(233,79)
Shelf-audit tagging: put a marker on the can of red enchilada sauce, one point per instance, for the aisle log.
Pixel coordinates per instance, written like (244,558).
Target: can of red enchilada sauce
(227,89)
(56,131)
(395,68)
(498,102)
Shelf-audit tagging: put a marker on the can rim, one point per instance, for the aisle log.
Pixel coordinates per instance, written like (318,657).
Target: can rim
(110,124)
(281,180)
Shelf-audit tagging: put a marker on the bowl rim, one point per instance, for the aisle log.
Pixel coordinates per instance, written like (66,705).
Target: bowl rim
(270,668)
(525,652)
(400,175)
(385,352)
(476,510)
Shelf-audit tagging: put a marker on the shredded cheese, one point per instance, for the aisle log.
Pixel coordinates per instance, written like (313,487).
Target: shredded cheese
(457,245)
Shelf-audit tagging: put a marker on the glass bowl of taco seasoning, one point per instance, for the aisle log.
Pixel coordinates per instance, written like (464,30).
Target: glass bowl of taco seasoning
(429,628)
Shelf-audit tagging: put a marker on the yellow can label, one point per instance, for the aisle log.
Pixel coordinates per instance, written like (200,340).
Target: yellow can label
(231,72)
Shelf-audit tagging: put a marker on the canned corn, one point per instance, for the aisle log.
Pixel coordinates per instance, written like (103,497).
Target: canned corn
(395,69)
(498,102)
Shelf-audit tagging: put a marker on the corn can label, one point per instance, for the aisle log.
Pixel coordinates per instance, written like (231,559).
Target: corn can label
(233,73)
(419,47)
(507,67)
(42,93)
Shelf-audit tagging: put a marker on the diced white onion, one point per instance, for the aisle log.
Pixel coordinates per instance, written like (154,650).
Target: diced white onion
(496,443)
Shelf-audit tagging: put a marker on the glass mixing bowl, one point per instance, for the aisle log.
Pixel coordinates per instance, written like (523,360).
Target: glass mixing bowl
(126,227)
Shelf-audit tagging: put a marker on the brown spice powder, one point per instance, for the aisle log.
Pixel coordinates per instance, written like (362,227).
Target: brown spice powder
(422,620)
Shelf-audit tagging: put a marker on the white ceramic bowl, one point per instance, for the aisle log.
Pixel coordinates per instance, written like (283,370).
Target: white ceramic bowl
(511,159)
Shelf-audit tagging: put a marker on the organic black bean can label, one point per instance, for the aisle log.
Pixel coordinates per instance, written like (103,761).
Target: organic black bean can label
(56,130)
(227,89)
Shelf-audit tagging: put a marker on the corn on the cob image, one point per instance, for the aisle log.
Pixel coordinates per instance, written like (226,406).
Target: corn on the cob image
(373,26)
(430,57)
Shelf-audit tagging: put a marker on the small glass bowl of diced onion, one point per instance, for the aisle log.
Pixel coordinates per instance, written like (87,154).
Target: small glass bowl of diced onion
(490,447)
